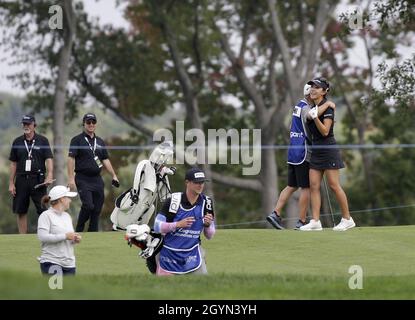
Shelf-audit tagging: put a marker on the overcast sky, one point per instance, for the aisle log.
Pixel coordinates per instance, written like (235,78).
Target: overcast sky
(105,10)
(109,13)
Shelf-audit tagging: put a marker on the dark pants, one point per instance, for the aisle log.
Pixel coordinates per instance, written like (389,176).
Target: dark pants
(25,190)
(45,267)
(91,193)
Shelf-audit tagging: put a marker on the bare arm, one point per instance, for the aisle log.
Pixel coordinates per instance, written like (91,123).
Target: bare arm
(108,166)
(12,187)
(49,169)
(321,109)
(323,127)
(325,106)
(71,173)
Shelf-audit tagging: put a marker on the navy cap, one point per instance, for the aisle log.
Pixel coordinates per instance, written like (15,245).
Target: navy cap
(320,82)
(89,116)
(195,175)
(28,119)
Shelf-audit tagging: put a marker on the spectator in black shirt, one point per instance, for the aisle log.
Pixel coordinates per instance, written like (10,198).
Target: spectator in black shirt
(87,155)
(31,165)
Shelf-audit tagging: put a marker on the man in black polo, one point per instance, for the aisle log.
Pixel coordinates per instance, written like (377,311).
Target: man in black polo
(31,165)
(87,155)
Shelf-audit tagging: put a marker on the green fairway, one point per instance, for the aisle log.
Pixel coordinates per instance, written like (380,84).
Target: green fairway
(242,264)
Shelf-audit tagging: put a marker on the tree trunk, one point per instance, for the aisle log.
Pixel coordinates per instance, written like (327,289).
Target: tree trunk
(186,84)
(60,94)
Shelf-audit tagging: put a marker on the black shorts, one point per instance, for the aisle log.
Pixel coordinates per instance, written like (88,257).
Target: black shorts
(298,175)
(25,190)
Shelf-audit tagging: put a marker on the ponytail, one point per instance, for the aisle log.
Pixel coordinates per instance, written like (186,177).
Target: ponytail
(45,201)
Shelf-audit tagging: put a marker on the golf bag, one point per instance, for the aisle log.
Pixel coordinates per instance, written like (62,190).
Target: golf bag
(135,206)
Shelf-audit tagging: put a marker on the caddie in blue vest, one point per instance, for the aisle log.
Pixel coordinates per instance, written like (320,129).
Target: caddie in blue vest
(298,161)
(181,220)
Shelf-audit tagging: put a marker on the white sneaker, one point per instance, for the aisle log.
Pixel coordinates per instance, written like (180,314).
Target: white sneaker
(345,224)
(313,225)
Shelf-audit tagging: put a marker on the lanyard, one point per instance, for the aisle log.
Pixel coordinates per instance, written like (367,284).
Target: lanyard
(29,152)
(90,147)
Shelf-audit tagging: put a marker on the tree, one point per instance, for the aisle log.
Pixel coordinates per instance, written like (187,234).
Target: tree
(188,27)
(187,46)
(370,113)
(31,39)
(60,91)
(227,65)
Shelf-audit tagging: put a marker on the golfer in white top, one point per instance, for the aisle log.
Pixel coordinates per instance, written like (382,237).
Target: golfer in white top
(56,233)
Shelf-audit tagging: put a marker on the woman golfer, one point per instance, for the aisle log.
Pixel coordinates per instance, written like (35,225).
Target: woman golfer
(325,159)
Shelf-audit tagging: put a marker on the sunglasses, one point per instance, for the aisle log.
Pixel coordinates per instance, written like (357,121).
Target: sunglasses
(91,122)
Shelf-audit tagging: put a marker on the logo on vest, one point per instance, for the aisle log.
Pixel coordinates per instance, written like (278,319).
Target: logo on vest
(296,135)
(297,112)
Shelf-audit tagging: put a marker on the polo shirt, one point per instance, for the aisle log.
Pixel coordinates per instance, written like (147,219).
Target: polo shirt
(83,149)
(40,151)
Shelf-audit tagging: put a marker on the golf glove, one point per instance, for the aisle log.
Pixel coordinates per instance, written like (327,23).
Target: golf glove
(313,113)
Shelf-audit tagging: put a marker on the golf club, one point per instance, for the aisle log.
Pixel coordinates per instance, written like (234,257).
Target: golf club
(43,184)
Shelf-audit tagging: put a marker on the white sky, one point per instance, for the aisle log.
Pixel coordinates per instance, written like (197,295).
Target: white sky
(108,13)
(105,10)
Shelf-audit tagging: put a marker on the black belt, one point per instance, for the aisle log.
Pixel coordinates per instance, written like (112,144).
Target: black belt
(29,175)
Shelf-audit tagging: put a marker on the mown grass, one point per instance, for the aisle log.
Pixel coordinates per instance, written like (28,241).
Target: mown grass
(243,264)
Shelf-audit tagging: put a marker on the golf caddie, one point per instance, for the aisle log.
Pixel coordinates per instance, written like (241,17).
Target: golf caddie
(181,220)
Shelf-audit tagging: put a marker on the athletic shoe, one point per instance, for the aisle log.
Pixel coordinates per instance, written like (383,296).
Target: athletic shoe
(299,224)
(275,220)
(313,225)
(345,225)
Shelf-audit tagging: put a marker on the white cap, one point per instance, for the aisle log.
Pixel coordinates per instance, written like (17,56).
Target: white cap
(58,192)
(307,89)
